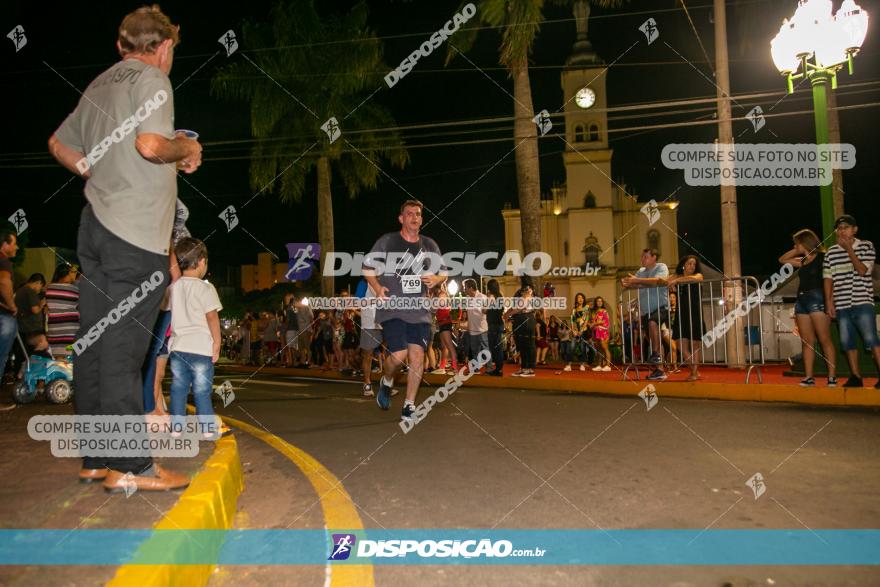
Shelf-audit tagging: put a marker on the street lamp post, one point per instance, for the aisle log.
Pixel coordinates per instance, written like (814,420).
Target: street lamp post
(818,44)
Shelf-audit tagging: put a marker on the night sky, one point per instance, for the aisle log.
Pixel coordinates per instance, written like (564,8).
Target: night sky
(79,42)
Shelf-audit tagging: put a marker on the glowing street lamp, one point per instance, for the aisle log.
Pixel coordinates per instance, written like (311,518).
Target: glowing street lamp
(814,44)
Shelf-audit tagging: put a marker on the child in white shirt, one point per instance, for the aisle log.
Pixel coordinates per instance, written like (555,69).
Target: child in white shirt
(195,332)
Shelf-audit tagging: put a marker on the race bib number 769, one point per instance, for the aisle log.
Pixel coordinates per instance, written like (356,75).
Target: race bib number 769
(411,284)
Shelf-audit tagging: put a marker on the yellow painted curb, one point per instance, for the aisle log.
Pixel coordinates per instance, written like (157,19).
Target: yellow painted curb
(208,503)
(753,392)
(338,507)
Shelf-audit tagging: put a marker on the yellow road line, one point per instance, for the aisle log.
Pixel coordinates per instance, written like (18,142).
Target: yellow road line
(338,508)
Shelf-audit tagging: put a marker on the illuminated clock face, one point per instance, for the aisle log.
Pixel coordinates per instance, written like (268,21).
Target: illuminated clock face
(585,97)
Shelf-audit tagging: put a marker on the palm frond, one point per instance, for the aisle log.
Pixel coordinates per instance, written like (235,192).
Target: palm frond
(286,112)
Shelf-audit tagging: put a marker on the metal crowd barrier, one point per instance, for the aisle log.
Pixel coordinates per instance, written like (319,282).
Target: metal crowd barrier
(731,310)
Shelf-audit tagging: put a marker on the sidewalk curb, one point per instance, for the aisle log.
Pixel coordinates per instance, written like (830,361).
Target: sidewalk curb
(209,503)
(755,392)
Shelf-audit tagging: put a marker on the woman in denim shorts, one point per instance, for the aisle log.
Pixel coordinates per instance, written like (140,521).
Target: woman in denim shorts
(813,323)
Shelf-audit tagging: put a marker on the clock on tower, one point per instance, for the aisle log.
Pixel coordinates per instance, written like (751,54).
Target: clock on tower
(585,97)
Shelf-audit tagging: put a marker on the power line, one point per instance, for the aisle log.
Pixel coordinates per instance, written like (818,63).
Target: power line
(501,139)
(611,119)
(240,148)
(656,104)
(696,34)
(843,90)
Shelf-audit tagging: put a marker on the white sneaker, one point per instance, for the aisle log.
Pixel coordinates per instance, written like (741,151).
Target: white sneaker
(583,368)
(606,368)
(517,373)
(597,368)
(567,368)
(394,392)
(439,371)
(368,390)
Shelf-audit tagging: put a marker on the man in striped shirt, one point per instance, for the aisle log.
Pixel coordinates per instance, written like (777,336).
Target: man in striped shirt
(62,297)
(849,294)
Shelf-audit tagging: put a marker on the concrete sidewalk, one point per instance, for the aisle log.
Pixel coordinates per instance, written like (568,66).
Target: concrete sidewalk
(41,492)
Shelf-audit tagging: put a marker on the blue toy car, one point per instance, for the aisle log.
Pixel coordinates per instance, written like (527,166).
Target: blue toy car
(56,376)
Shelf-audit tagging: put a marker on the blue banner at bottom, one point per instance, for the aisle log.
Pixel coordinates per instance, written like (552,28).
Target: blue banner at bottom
(441,547)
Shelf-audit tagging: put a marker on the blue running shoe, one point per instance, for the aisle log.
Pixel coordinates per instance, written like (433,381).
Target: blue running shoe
(408,413)
(383,398)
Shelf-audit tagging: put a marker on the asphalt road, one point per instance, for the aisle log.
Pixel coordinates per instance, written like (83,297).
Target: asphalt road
(507,458)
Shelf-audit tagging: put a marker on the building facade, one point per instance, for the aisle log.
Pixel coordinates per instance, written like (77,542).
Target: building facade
(264,275)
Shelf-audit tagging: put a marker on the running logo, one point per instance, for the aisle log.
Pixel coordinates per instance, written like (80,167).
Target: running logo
(756,116)
(229,217)
(226,393)
(651,212)
(757,485)
(649,395)
(19,220)
(302,260)
(229,42)
(129,485)
(331,127)
(542,119)
(650,30)
(17,36)
(343,544)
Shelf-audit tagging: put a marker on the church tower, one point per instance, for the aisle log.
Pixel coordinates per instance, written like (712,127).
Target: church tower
(587,156)
(588,202)
(592,228)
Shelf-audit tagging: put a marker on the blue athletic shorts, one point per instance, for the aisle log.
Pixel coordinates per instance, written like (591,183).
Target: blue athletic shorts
(399,334)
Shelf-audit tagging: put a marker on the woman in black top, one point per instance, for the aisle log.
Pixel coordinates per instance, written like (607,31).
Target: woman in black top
(687,322)
(808,254)
(495,320)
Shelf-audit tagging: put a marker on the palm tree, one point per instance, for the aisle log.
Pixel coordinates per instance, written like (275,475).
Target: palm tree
(520,21)
(293,89)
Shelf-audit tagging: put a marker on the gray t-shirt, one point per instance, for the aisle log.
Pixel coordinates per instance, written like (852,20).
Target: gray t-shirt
(131,197)
(652,299)
(392,275)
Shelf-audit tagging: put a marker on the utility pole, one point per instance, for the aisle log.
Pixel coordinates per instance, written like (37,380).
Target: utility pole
(729,218)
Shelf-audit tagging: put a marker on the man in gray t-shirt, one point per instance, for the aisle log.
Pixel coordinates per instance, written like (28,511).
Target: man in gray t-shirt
(404,265)
(121,139)
(650,280)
